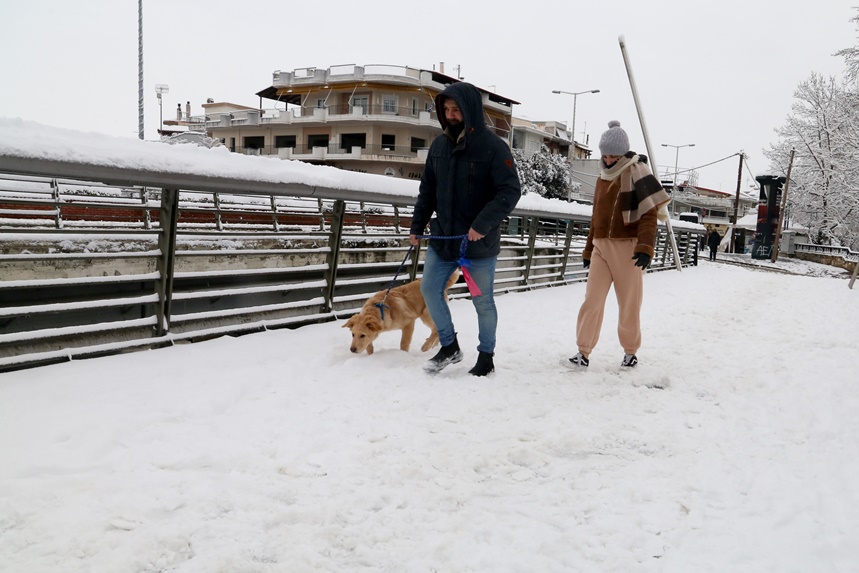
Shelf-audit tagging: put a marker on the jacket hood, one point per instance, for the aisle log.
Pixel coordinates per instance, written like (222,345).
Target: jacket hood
(470,103)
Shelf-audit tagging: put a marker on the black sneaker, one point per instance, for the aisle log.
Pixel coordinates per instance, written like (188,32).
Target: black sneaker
(629,360)
(484,364)
(577,362)
(448,355)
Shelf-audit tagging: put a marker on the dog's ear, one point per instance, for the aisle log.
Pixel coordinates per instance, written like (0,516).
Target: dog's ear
(350,323)
(374,325)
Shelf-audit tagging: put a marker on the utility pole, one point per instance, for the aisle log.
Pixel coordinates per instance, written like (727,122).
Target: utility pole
(774,255)
(737,204)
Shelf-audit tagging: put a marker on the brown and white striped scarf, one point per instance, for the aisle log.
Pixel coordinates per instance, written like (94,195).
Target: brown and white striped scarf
(640,191)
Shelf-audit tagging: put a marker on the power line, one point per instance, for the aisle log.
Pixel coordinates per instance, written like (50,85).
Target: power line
(707,164)
(681,170)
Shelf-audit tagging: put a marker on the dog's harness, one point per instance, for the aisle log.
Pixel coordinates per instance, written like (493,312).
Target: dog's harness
(463,262)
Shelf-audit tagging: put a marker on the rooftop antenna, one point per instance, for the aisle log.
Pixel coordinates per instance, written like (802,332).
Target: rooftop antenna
(159,90)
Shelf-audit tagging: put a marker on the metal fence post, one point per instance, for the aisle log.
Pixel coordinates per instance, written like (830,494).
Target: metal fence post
(274,214)
(166,258)
(338,214)
(534,222)
(415,262)
(568,240)
(218,223)
(144,200)
(55,194)
(662,245)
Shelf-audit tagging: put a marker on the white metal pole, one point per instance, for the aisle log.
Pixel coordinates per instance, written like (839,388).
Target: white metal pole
(855,273)
(573,130)
(676,157)
(572,145)
(140,69)
(622,41)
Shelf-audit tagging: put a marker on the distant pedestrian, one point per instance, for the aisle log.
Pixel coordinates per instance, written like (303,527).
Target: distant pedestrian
(713,240)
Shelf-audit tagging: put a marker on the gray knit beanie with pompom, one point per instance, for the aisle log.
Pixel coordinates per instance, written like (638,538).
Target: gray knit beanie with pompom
(614,141)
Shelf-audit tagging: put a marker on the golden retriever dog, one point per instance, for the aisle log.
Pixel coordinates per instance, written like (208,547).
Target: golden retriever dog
(403,306)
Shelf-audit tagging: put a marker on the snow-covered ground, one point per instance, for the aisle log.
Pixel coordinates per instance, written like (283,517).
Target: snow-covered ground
(283,452)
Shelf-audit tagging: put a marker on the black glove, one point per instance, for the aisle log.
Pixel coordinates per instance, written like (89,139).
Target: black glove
(586,263)
(641,260)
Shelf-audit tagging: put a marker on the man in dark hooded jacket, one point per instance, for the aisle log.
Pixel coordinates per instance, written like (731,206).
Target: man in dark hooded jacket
(471,185)
(713,241)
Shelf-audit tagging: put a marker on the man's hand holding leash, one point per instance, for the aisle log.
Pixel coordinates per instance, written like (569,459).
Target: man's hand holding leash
(473,235)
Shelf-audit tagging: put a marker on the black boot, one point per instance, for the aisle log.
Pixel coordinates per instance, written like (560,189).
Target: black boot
(448,355)
(484,364)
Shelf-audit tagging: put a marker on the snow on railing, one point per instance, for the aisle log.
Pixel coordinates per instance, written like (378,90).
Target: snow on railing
(225,256)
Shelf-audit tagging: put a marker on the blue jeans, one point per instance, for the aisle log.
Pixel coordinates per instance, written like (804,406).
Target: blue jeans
(436,273)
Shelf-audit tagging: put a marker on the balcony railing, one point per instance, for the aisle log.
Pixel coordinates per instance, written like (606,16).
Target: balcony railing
(388,151)
(375,109)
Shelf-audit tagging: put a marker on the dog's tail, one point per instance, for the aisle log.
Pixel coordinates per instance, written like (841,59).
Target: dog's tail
(452,280)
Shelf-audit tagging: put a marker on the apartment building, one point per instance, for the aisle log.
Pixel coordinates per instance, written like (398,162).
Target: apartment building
(371,119)
(530,136)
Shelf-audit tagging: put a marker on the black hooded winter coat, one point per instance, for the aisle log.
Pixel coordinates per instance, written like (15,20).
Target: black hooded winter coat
(467,183)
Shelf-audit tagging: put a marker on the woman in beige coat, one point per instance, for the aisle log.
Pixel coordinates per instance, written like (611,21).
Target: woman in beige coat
(620,245)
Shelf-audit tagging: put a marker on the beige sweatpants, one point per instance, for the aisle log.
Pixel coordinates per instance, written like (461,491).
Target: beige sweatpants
(611,262)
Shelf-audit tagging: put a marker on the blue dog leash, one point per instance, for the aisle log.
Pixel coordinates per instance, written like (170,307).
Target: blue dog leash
(463,262)
(382,306)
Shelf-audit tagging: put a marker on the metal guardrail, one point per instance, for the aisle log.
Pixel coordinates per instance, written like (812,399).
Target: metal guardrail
(98,260)
(842,252)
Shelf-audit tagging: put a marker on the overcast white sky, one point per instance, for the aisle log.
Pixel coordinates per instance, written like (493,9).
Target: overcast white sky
(720,75)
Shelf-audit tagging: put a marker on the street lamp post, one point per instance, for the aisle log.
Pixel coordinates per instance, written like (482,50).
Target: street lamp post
(676,156)
(573,126)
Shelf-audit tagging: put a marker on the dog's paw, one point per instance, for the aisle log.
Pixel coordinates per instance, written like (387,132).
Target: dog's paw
(429,344)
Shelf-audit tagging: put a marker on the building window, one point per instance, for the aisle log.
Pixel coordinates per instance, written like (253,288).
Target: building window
(284,141)
(418,143)
(414,106)
(388,142)
(350,140)
(389,104)
(317,141)
(255,142)
(361,101)
(320,103)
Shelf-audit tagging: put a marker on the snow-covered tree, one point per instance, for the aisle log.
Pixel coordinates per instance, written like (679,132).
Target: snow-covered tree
(851,56)
(823,128)
(824,187)
(544,173)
